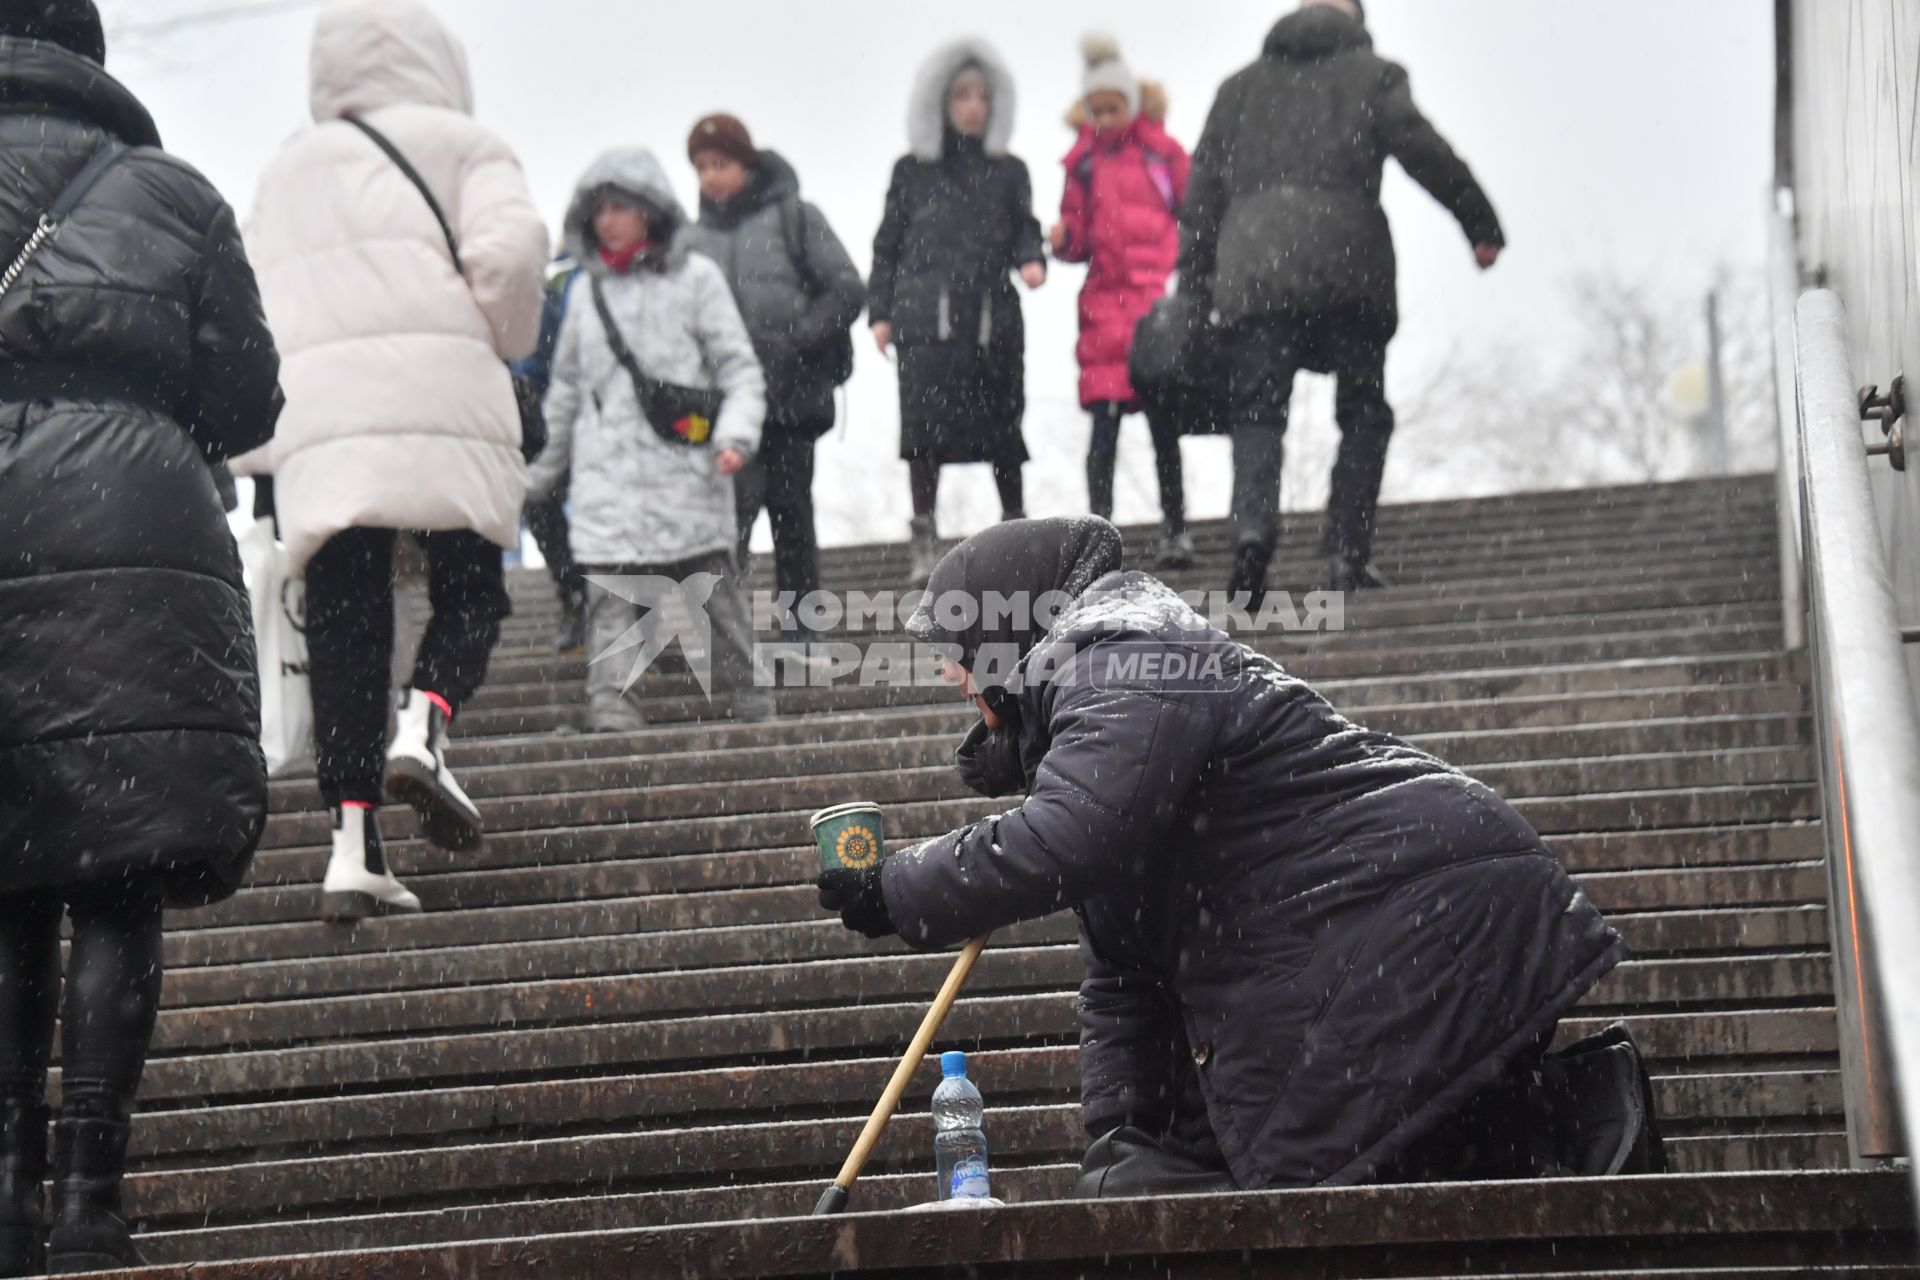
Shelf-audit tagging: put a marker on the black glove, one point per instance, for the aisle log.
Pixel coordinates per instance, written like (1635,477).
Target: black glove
(988,760)
(857,896)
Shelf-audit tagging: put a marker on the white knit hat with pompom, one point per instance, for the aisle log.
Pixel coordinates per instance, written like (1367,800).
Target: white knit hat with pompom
(1106,72)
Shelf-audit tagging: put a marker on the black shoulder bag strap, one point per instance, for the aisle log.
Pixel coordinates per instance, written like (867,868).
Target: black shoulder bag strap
(62,207)
(401,163)
(617,340)
(533,423)
(678,415)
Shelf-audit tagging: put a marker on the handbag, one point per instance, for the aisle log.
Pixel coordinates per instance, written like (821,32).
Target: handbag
(279,605)
(533,421)
(1177,366)
(678,415)
(63,205)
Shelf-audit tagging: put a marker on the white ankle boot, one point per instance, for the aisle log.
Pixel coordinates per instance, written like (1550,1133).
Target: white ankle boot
(358,884)
(417,775)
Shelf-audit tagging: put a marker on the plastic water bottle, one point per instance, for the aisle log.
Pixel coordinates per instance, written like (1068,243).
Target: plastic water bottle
(959,1143)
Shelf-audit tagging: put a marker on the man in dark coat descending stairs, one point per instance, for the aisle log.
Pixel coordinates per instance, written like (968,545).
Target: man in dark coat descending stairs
(133,351)
(1314,954)
(1284,232)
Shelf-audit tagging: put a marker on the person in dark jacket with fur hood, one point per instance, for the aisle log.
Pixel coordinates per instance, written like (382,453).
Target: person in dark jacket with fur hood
(133,351)
(1314,954)
(1284,232)
(958,225)
(798,292)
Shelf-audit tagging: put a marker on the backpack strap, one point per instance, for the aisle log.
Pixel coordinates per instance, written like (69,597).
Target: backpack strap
(1160,173)
(400,162)
(793,229)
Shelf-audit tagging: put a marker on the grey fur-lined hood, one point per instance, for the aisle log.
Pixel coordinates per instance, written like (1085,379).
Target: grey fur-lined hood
(636,171)
(927,110)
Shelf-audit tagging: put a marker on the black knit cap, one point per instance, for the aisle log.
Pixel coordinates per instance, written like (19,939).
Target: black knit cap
(72,24)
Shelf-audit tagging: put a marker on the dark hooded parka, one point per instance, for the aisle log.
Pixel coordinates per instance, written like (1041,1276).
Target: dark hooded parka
(1283,211)
(133,350)
(1343,936)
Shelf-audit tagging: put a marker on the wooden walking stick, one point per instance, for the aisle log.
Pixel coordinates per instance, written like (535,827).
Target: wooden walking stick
(834,1198)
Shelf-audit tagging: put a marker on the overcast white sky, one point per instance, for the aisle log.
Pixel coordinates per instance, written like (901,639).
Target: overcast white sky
(1628,136)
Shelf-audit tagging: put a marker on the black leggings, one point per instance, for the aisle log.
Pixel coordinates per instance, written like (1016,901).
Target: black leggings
(1103,454)
(923,479)
(112,996)
(350,643)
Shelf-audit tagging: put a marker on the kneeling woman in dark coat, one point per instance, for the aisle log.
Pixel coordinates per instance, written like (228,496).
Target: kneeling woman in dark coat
(133,349)
(1314,954)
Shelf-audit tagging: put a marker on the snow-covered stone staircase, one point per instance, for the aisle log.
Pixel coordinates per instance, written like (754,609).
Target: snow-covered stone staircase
(624,1042)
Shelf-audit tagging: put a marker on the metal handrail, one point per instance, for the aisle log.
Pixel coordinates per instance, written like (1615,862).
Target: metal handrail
(1783,295)
(1869,740)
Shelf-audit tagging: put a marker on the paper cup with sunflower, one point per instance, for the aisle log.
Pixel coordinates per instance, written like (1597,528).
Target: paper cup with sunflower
(849,835)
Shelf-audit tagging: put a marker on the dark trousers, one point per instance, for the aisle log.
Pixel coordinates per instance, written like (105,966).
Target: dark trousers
(547,521)
(923,482)
(780,480)
(350,643)
(112,995)
(1263,357)
(1103,454)
(612,617)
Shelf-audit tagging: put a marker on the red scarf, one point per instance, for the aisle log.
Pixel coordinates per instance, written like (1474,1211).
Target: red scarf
(623,261)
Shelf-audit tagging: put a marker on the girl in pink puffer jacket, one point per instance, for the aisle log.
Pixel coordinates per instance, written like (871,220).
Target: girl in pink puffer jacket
(1126,179)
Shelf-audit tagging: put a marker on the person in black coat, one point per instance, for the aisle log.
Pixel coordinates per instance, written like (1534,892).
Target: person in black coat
(133,351)
(1314,954)
(958,222)
(1283,230)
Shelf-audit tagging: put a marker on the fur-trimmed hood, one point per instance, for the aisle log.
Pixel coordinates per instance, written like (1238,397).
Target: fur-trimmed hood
(927,109)
(1153,106)
(637,172)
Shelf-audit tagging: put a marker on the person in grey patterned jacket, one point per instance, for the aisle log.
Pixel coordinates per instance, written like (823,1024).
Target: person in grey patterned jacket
(644,504)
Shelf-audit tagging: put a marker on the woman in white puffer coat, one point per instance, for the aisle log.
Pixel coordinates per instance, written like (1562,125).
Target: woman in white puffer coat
(400,412)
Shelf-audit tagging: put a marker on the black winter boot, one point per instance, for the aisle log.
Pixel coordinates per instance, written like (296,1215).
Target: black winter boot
(571,638)
(89,1234)
(23,1168)
(1603,1102)
(1344,574)
(1100,468)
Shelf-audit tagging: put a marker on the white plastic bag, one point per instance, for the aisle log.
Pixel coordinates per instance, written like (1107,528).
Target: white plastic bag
(280,632)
